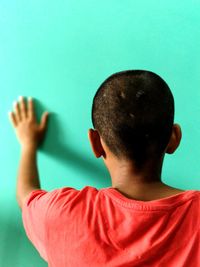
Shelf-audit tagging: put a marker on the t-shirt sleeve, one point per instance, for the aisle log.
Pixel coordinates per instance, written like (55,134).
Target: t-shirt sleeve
(34,216)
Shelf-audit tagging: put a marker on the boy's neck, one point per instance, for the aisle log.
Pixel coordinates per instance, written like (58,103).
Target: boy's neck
(123,172)
(143,185)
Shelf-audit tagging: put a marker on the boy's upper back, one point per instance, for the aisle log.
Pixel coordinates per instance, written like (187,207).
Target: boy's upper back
(94,227)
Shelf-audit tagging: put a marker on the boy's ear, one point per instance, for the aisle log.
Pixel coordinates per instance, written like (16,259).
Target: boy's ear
(175,139)
(95,142)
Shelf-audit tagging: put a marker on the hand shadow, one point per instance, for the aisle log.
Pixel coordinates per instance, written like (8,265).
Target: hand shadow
(55,147)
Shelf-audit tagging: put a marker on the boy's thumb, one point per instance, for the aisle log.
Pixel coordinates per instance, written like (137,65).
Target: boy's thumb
(44,120)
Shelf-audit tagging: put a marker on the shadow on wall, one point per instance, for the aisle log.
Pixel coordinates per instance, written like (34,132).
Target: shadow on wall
(55,147)
(10,240)
(14,244)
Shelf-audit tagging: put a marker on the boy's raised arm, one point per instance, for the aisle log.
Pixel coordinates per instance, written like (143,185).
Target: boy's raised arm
(29,134)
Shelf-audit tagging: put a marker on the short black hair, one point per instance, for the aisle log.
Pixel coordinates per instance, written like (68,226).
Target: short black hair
(133,111)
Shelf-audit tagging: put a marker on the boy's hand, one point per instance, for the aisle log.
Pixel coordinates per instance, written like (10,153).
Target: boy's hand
(28,131)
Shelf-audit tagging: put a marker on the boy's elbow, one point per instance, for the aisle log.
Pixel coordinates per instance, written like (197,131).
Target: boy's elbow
(19,200)
(21,195)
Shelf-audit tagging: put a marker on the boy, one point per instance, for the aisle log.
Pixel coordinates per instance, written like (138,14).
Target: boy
(139,221)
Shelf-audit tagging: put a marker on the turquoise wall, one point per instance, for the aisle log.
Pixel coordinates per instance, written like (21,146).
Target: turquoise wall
(59,52)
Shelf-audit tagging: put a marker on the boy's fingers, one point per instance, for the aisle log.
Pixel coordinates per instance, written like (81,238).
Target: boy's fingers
(44,120)
(22,106)
(31,112)
(17,111)
(13,119)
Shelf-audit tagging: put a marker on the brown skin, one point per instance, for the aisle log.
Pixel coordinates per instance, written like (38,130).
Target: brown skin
(145,185)
(30,134)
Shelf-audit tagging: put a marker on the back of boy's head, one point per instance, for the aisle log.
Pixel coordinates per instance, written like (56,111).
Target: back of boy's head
(133,111)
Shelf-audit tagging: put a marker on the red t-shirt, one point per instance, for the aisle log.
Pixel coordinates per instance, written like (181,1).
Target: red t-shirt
(96,228)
